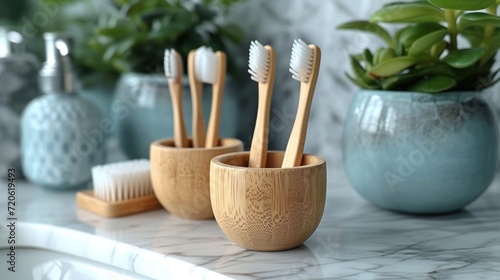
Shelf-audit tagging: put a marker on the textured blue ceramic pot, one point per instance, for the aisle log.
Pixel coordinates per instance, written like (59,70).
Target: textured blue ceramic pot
(420,153)
(142,111)
(62,138)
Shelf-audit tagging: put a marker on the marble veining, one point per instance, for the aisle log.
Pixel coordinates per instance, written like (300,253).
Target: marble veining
(90,247)
(354,240)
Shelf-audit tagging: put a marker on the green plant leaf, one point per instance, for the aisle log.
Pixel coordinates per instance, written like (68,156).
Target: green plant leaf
(369,27)
(434,84)
(493,47)
(216,43)
(376,56)
(417,31)
(120,65)
(122,2)
(478,19)
(125,45)
(420,2)
(475,77)
(110,53)
(474,35)
(137,8)
(360,83)
(438,49)
(387,54)
(204,12)
(424,43)
(401,81)
(392,66)
(114,32)
(232,31)
(495,43)
(482,17)
(360,72)
(466,5)
(398,33)
(368,58)
(464,58)
(408,12)
(400,49)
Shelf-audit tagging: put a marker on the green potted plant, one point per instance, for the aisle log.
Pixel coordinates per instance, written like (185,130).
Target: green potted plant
(132,37)
(129,42)
(419,137)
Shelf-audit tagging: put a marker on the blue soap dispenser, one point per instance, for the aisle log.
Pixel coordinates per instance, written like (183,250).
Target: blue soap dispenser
(61,137)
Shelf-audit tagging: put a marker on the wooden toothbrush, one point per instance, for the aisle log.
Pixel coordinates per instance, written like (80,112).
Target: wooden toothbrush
(304,66)
(196,96)
(262,68)
(173,72)
(217,79)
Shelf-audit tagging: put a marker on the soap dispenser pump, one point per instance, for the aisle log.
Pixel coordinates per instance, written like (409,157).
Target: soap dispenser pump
(61,138)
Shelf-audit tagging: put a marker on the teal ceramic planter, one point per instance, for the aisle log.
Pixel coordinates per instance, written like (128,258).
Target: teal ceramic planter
(420,153)
(100,92)
(142,111)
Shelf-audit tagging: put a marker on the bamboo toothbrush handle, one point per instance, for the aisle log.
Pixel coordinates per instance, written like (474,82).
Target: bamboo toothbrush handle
(295,147)
(180,135)
(196,91)
(258,150)
(217,91)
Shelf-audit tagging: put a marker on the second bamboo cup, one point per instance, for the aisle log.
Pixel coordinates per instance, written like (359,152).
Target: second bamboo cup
(267,209)
(180,176)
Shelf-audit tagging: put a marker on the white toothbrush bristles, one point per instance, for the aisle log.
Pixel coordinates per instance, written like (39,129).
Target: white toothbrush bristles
(122,181)
(301,61)
(170,64)
(258,62)
(206,65)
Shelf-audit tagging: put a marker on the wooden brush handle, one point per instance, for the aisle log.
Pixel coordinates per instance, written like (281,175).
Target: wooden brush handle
(295,147)
(217,91)
(180,134)
(175,86)
(196,91)
(258,150)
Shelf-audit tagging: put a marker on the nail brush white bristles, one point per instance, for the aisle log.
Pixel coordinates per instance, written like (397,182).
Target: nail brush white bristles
(122,181)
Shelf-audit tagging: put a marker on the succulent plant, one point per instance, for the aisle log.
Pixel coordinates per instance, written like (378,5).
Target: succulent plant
(426,53)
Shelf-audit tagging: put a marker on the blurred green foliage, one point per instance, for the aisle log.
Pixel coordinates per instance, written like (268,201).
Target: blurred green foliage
(11,11)
(116,36)
(135,35)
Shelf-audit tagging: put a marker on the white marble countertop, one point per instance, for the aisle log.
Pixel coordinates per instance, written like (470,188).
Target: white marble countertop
(354,240)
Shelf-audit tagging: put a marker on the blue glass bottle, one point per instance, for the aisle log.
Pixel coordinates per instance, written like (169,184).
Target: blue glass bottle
(61,133)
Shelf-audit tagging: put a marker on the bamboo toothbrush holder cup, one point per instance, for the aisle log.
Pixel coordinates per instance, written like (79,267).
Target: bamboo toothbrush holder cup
(267,209)
(180,176)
